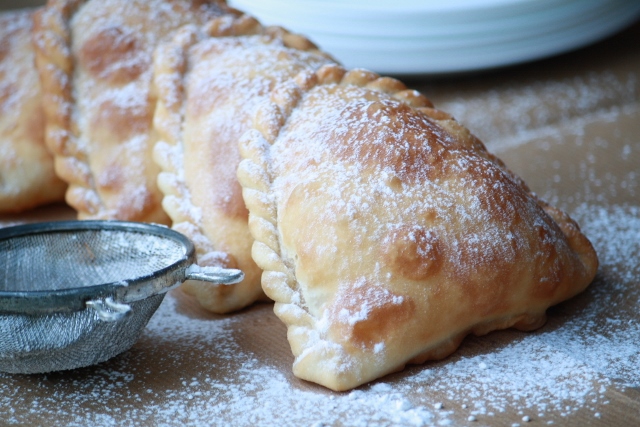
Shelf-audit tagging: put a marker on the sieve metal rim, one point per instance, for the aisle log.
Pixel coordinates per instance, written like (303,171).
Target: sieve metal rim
(75,299)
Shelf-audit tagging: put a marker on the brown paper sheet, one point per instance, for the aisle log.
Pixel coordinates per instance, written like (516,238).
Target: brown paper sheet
(570,126)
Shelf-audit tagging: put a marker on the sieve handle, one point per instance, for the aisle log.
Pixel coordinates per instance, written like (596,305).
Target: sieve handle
(216,275)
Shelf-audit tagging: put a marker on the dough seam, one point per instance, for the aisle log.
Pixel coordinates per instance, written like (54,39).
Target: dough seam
(55,60)
(171,69)
(169,64)
(51,40)
(278,279)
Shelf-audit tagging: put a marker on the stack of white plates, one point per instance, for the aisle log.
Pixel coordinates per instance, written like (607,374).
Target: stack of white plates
(443,36)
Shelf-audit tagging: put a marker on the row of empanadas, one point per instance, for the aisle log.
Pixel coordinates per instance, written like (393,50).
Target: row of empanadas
(382,228)
(95,63)
(96,59)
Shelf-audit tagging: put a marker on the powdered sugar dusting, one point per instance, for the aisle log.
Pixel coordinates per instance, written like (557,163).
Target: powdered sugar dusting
(406,207)
(534,110)
(227,77)
(27,177)
(14,37)
(112,44)
(207,371)
(589,343)
(18,85)
(222,81)
(310,154)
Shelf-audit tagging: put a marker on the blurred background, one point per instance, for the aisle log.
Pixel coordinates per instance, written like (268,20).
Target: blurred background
(15,4)
(434,37)
(418,37)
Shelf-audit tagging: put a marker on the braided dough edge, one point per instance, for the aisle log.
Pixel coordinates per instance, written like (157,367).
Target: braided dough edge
(278,278)
(51,41)
(55,64)
(170,66)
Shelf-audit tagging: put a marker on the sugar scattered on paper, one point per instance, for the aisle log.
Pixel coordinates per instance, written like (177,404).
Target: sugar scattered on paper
(566,366)
(537,108)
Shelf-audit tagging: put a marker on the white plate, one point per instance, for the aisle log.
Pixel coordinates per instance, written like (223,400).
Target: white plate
(426,37)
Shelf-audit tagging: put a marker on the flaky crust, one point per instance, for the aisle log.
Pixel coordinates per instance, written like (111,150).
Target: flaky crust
(95,64)
(208,80)
(386,231)
(27,177)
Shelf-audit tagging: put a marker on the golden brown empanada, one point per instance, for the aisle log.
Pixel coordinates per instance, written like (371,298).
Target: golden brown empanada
(95,64)
(387,232)
(208,82)
(27,178)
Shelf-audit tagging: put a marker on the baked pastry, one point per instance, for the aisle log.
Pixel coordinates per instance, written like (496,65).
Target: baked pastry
(387,232)
(27,178)
(95,65)
(208,81)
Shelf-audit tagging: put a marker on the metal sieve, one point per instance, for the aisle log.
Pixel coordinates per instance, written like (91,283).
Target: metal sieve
(76,293)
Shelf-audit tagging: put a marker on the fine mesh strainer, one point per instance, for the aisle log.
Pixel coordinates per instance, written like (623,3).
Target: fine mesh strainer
(76,293)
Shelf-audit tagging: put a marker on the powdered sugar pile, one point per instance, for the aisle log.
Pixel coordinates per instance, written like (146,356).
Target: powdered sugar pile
(202,375)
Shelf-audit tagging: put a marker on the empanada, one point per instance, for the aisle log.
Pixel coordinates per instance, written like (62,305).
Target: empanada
(387,232)
(95,63)
(27,178)
(208,82)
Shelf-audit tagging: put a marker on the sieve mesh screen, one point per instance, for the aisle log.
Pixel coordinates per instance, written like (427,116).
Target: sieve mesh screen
(61,260)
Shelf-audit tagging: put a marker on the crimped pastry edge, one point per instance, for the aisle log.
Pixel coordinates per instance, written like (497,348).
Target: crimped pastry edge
(316,358)
(170,66)
(55,64)
(51,41)
(278,278)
